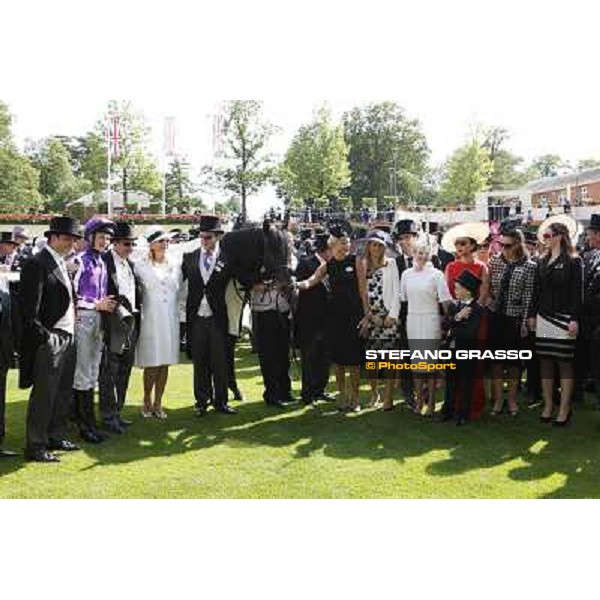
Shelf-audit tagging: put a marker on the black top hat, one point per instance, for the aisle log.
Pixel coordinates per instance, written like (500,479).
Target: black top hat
(64,226)
(210,224)
(530,236)
(321,241)
(124,231)
(594,222)
(469,281)
(6,237)
(434,227)
(405,226)
(305,234)
(339,228)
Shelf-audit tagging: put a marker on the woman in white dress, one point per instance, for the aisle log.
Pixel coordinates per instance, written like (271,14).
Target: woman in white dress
(158,344)
(424,288)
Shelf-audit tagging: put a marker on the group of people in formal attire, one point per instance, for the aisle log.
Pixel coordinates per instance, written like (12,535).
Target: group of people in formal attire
(91,303)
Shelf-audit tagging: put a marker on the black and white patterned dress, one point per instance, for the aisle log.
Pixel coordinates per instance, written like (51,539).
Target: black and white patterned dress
(380,337)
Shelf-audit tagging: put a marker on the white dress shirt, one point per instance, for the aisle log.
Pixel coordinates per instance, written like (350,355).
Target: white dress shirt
(67,321)
(125,279)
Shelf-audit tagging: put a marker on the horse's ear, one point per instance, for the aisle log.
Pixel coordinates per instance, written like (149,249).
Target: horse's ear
(266,225)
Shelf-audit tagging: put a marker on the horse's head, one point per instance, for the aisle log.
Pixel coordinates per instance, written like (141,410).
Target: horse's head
(258,254)
(276,262)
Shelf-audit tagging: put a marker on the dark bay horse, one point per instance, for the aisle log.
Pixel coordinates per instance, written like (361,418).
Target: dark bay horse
(258,254)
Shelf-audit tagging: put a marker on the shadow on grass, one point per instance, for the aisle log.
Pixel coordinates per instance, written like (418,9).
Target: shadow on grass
(540,451)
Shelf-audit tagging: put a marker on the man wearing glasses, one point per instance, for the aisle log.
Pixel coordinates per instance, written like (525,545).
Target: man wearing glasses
(121,328)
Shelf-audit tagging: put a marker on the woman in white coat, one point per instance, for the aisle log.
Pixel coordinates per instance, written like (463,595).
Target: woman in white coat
(383,293)
(158,344)
(424,288)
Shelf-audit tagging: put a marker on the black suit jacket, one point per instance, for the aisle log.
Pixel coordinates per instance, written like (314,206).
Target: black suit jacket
(44,299)
(6,326)
(311,310)
(119,331)
(214,289)
(113,283)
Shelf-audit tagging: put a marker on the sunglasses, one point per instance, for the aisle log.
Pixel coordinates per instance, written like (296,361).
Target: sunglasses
(549,235)
(128,244)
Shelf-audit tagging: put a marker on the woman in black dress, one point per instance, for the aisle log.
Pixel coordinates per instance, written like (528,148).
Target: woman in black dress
(348,312)
(555,315)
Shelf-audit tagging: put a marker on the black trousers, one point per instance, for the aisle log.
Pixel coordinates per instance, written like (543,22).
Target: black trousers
(3,375)
(315,366)
(272,343)
(51,394)
(115,372)
(209,354)
(463,379)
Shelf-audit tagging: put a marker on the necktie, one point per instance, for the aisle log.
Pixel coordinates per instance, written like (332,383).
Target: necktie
(207,261)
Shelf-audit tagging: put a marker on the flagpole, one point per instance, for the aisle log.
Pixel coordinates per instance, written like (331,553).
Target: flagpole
(108,186)
(164,188)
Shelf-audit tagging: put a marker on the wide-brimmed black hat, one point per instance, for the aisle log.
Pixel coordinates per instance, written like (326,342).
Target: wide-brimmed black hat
(339,228)
(469,281)
(64,226)
(210,224)
(594,222)
(6,237)
(405,226)
(124,231)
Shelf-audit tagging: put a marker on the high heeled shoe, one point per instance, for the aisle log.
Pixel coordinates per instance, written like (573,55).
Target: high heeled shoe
(557,423)
(545,419)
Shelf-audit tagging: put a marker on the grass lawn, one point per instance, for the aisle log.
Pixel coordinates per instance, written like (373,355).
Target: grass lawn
(310,453)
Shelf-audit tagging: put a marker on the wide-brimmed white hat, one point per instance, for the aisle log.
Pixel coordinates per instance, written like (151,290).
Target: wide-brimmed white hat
(156,233)
(475,230)
(569,222)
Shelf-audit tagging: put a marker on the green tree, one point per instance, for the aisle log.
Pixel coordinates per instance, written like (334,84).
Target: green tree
(180,190)
(467,172)
(249,165)
(505,172)
(316,163)
(58,184)
(19,179)
(388,152)
(546,165)
(134,167)
(228,208)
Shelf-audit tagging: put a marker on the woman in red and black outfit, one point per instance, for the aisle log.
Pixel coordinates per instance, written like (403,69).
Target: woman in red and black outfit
(466,249)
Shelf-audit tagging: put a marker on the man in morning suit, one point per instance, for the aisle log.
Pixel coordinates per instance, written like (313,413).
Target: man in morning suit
(121,328)
(207,275)
(47,363)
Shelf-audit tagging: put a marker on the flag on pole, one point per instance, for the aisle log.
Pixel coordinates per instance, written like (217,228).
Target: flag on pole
(113,135)
(169,137)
